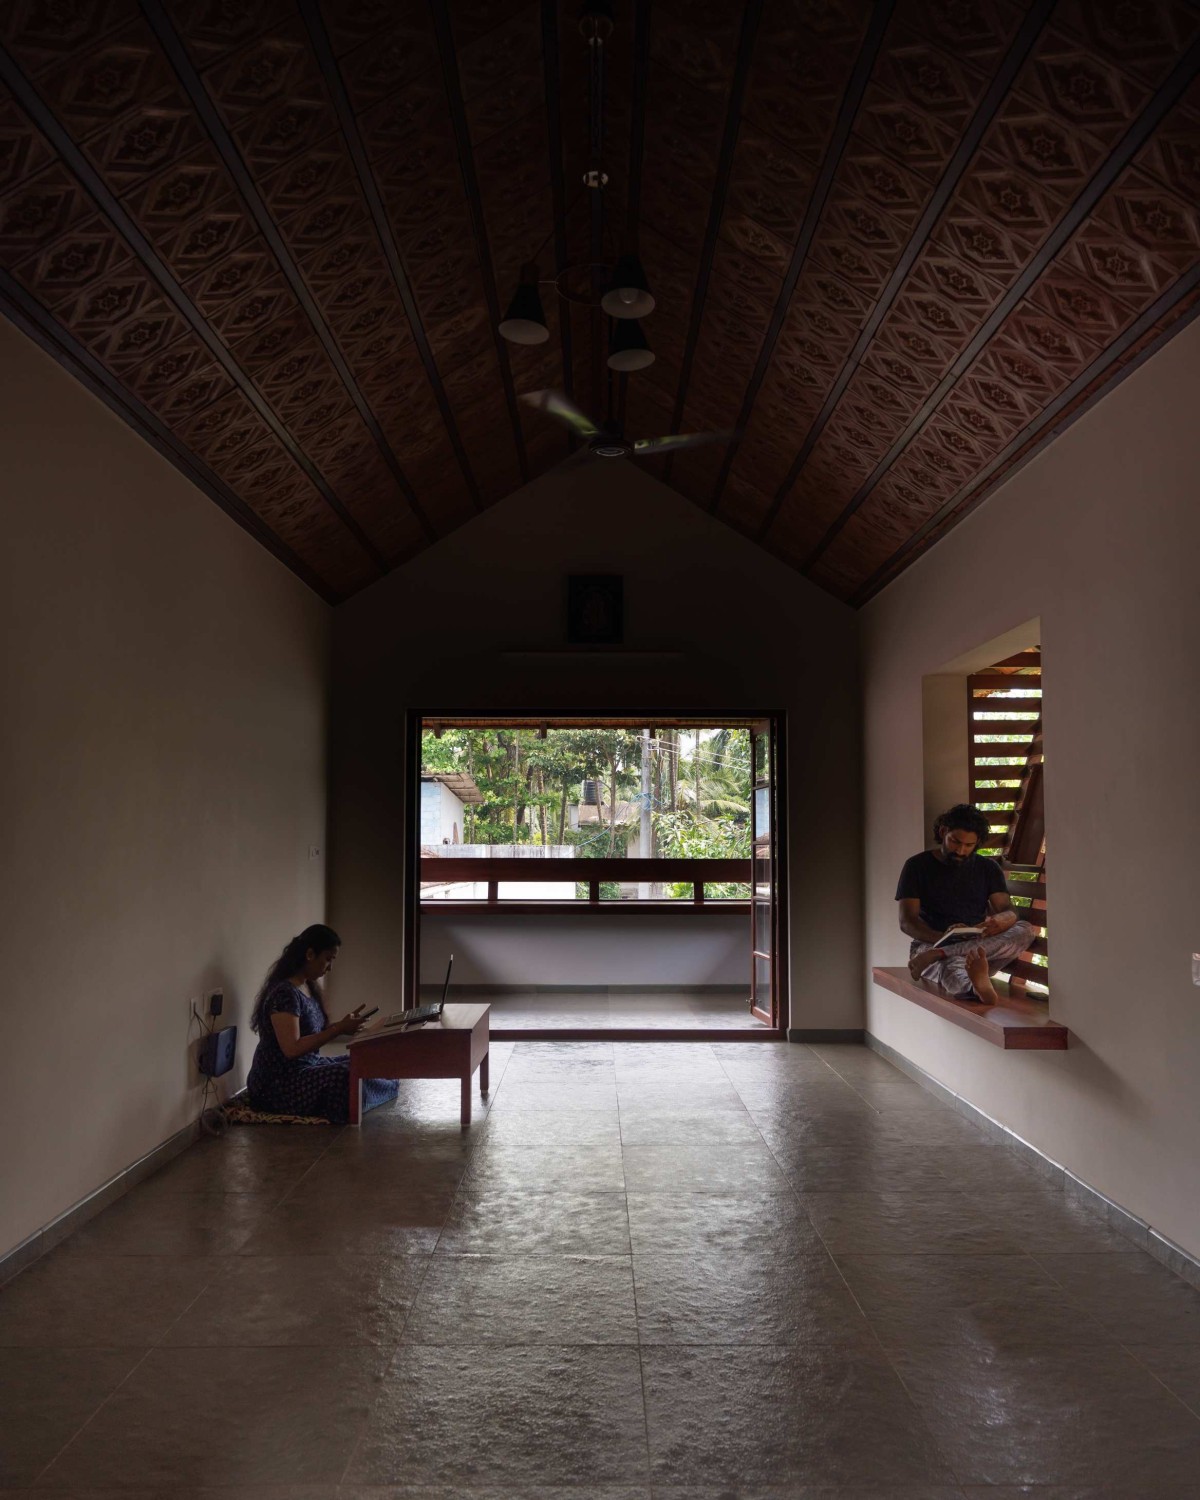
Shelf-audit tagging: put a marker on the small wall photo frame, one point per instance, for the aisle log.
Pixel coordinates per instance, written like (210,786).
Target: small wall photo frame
(595,609)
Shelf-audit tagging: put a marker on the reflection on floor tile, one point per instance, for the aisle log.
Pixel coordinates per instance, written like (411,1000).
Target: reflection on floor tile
(719,1271)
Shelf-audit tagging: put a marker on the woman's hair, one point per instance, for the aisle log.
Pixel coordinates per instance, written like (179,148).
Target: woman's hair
(317,937)
(965,818)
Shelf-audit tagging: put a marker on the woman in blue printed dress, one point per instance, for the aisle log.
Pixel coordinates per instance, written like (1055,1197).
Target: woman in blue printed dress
(289,1076)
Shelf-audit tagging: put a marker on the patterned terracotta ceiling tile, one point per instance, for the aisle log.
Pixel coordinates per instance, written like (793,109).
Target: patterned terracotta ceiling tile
(227,424)
(768,184)
(238,321)
(1000,254)
(24,151)
(1082,89)
(334,216)
(277,68)
(391,60)
(1043,146)
(1155,220)
(907,134)
(980,420)
(744,506)
(1143,38)
(214,30)
(893,403)
(974,31)
(928,79)
(282,131)
(500,54)
(1112,263)
(903,374)
(946,276)
(702,54)
(332,404)
(868,176)
(685,122)
(1172,155)
(1028,329)
(793,90)
(91,250)
(38,212)
(177,367)
(144,141)
(350,23)
(502,106)
(1010,361)
(204,384)
(105,81)
(40,35)
(863,269)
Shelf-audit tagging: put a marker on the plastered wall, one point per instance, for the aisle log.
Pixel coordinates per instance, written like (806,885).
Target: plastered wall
(1099,536)
(163,758)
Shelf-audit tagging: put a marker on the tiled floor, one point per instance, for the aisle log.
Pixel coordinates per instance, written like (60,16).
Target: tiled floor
(666,1271)
(618,1008)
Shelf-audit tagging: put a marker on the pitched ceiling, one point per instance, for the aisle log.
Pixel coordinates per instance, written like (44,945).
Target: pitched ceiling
(896,246)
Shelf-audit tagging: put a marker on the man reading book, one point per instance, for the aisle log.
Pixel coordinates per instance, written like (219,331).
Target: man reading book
(951,889)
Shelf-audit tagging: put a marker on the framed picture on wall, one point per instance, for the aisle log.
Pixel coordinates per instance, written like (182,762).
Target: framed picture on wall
(595,609)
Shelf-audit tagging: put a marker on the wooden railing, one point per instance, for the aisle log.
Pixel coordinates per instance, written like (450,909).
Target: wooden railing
(593,872)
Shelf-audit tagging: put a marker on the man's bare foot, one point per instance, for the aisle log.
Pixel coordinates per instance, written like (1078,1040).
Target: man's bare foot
(919,962)
(981,980)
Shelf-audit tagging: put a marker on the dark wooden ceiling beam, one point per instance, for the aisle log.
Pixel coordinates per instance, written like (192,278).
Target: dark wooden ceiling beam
(1047,424)
(551,78)
(1031,28)
(197,92)
(881,15)
(25,312)
(310,11)
(733,119)
(1182,76)
(466,163)
(637,151)
(47,122)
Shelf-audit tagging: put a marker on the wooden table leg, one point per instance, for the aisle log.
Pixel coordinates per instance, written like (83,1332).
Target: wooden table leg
(355,1095)
(483,1076)
(464,1113)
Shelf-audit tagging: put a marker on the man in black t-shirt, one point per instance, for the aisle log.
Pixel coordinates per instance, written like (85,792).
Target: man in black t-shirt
(952,886)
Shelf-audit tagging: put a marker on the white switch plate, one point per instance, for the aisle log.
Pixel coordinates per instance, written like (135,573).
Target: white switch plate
(313,852)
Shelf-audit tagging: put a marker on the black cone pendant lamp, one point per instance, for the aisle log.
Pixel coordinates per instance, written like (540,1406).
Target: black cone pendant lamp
(629,296)
(525,320)
(629,350)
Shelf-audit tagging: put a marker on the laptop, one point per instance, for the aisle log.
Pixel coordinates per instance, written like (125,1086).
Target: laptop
(422,1013)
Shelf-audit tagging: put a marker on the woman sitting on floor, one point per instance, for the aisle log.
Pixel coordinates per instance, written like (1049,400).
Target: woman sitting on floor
(288,1075)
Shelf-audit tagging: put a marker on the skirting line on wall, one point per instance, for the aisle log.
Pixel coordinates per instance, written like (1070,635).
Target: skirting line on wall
(1173,1256)
(78,1214)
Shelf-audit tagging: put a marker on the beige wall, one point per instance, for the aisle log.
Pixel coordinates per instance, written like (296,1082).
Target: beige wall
(1100,537)
(164,691)
(473,625)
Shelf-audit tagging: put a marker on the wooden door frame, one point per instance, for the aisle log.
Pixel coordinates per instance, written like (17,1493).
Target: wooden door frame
(415,718)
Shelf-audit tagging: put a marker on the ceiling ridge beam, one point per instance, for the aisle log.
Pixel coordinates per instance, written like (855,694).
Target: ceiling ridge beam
(47,122)
(881,15)
(315,26)
(1031,28)
(733,120)
(25,312)
(558,191)
(466,165)
(197,92)
(1181,77)
(991,480)
(637,149)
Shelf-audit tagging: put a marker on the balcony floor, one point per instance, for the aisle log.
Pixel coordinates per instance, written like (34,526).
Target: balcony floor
(540,1009)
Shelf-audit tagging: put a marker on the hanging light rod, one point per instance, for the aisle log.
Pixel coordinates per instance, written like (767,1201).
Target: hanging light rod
(622,290)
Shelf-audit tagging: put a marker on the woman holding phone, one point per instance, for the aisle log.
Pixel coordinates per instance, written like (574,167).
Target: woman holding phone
(289,1076)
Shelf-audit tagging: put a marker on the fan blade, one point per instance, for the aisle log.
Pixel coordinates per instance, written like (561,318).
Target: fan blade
(555,404)
(652,447)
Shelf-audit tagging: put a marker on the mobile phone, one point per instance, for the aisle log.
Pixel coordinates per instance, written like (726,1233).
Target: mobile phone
(368,1013)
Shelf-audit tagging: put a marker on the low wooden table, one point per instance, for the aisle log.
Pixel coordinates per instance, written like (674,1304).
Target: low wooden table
(452,1047)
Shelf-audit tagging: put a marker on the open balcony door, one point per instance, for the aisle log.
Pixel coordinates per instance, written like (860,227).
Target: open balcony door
(766,928)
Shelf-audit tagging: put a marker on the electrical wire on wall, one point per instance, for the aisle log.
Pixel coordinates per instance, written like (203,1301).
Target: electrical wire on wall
(212,1119)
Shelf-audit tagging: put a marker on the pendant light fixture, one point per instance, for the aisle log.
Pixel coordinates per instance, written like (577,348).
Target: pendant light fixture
(629,350)
(525,320)
(629,296)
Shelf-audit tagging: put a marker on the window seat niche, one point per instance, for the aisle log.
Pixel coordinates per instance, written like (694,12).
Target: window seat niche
(1018,1023)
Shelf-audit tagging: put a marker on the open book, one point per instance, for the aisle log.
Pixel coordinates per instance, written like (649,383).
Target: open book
(958,935)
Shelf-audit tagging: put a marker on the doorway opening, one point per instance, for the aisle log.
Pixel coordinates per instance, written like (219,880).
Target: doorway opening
(602,877)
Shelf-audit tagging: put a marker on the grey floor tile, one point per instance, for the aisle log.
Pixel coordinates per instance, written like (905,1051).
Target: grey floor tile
(512,1221)
(343,1224)
(306,1300)
(1089,1415)
(577,1166)
(746,1298)
(202,1417)
(915,1301)
(741,1417)
(727,1168)
(1176,1365)
(488,1299)
(881,1166)
(483,1415)
(147,1221)
(917,1223)
(530,1127)
(46,1396)
(1133,1296)
(648,1127)
(83,1301)
(772,1223)
(1048,1221)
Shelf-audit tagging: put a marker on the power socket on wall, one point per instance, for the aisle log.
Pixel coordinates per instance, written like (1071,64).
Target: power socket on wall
(313,852)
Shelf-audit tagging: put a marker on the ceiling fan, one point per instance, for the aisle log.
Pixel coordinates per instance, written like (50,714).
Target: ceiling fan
(607,440)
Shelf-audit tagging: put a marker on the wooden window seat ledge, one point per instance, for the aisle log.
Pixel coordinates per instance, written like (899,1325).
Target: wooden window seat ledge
(1016,1024)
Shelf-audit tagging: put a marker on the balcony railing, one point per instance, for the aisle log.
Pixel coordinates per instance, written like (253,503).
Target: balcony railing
(592,873)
